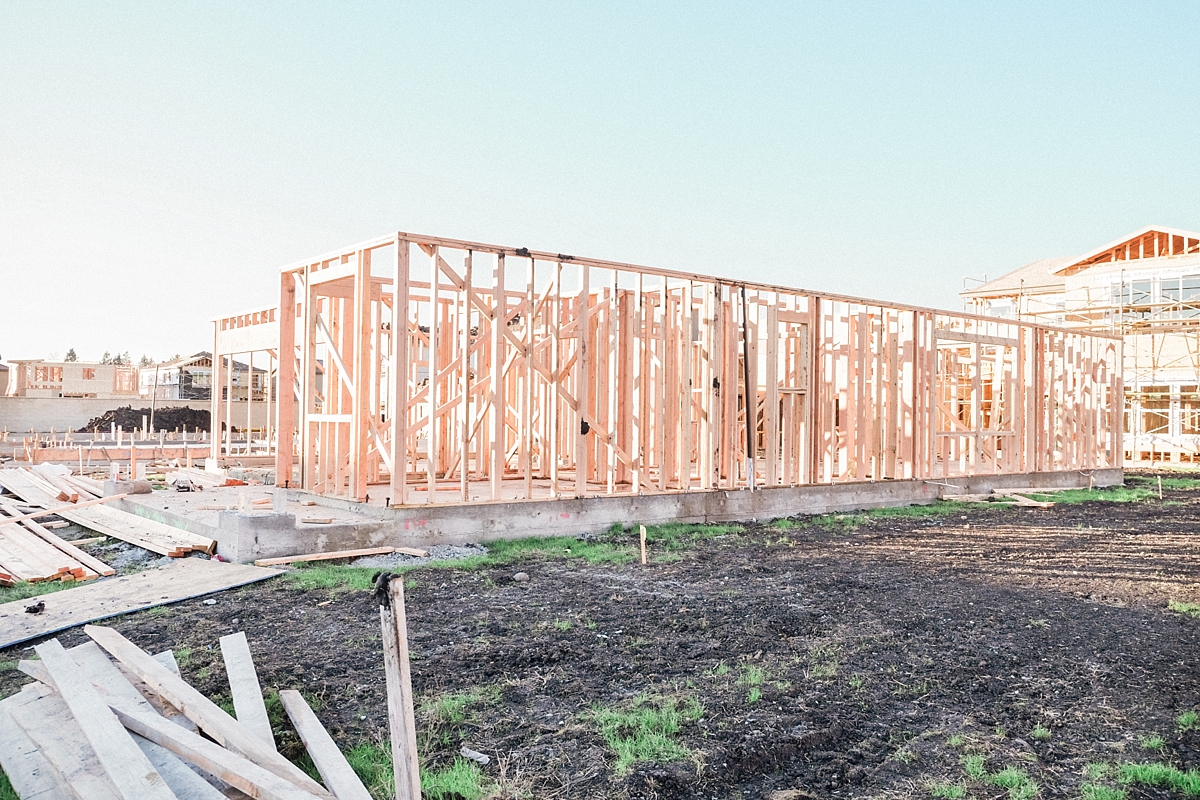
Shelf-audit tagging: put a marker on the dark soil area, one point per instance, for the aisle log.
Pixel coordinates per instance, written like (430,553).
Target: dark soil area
(828,660)
(165,419)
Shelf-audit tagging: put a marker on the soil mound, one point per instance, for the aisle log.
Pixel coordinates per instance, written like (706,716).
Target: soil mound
(165,419)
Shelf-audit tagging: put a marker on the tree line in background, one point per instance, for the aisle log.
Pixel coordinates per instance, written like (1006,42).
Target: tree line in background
(119,358)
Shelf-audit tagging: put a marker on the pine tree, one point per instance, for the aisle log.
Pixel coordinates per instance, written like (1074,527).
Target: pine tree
(70,356)
(106,358)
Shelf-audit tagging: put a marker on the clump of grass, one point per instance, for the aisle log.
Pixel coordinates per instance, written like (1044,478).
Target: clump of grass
(1188,609)
(1098,791)
(647,730)
(1152,774)
(957,740)
(1111,494)
(753,678)
(1152,742)
(23,590)
(562,624)
(317,575)
(462,780)
(1020,786)
(1097,770)
(683,535)
(938,508)
(451,708)
(1187,721)
(952,791)
(974,766)
(7,792)
(824,662)
(1040,732)
(1167,483)
(373,764)
(857,680)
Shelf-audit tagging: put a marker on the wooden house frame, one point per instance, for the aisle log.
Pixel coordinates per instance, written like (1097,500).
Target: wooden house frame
(434,370)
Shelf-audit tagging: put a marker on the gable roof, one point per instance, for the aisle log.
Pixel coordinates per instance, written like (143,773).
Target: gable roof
(1036,277)
(1152,241)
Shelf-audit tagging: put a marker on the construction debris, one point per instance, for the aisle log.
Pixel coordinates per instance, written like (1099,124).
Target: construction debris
(174,581)
(157,537)
(165,419)
(1017,496)
(108,720)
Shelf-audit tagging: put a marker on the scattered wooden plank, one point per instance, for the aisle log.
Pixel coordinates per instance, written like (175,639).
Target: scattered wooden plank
(76,542)
(60,509)
(46,720)
(127,767)
(368,551)
(207,715)
(111,683)
(69,548)
(170,583)
(318,520)
(399,694)
(337,773)
(243,683)
(25,765)
(413,551)
(239,772)
(57,524)
(1022,500)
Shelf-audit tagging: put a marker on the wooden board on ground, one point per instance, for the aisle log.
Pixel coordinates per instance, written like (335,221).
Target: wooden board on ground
(243,683)
(367,551)
(157,537)
(127,767)
(337,773)
(170,583)
(25,765)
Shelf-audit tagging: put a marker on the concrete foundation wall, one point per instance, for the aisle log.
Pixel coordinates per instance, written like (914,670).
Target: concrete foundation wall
(20,414)
(245,537)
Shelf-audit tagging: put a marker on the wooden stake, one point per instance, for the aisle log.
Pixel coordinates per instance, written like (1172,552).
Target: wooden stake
(399,692)
(643,538)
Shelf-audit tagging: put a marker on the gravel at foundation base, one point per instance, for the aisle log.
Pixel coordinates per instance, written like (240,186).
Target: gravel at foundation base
(439,552)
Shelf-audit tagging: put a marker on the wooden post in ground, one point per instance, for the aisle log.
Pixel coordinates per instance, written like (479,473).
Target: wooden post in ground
(643,538)
(399,693)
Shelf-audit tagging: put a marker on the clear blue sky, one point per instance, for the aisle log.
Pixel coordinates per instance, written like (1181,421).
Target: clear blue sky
(159,161)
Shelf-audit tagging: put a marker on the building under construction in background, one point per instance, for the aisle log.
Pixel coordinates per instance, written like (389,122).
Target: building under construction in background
(1145,287)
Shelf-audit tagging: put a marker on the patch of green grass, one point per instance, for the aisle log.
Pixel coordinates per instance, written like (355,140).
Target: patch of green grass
(1097,770)
(183,657)
(957,740)
(562,624)
(754,695)
(1020,786)
(1098,791)
(7,666)
(857,680)
(1040,732)
(462,780)
(1189,609)
(647,730)
(1187,720)
(952,791)
(22,590)
(1111,494)
(451,708)
(824,662)
(373,764)
(1152,774)
(974,766)
(7,792)
(320,575)
(1151,481)
(683,535)
(720,670)
(938,508)
(1152,742)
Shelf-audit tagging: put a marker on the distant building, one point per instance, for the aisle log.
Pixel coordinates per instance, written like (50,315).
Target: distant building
(1145,287)
(3,379)
(40,378)
(190,378)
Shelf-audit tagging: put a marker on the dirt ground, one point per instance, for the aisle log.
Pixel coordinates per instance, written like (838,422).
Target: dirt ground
(826,660)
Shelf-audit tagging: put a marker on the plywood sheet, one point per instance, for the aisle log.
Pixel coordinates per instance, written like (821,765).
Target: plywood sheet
(170,583)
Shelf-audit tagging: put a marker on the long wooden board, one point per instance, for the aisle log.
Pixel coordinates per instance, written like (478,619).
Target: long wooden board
(126,766)
(337,773)
(170,583)
(25,765)
(154,536)
(243,683)
(210,717)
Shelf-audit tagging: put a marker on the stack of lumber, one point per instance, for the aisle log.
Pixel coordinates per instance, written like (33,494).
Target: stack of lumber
(157,537)
(106,720)
(30,552)
(1017,496)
